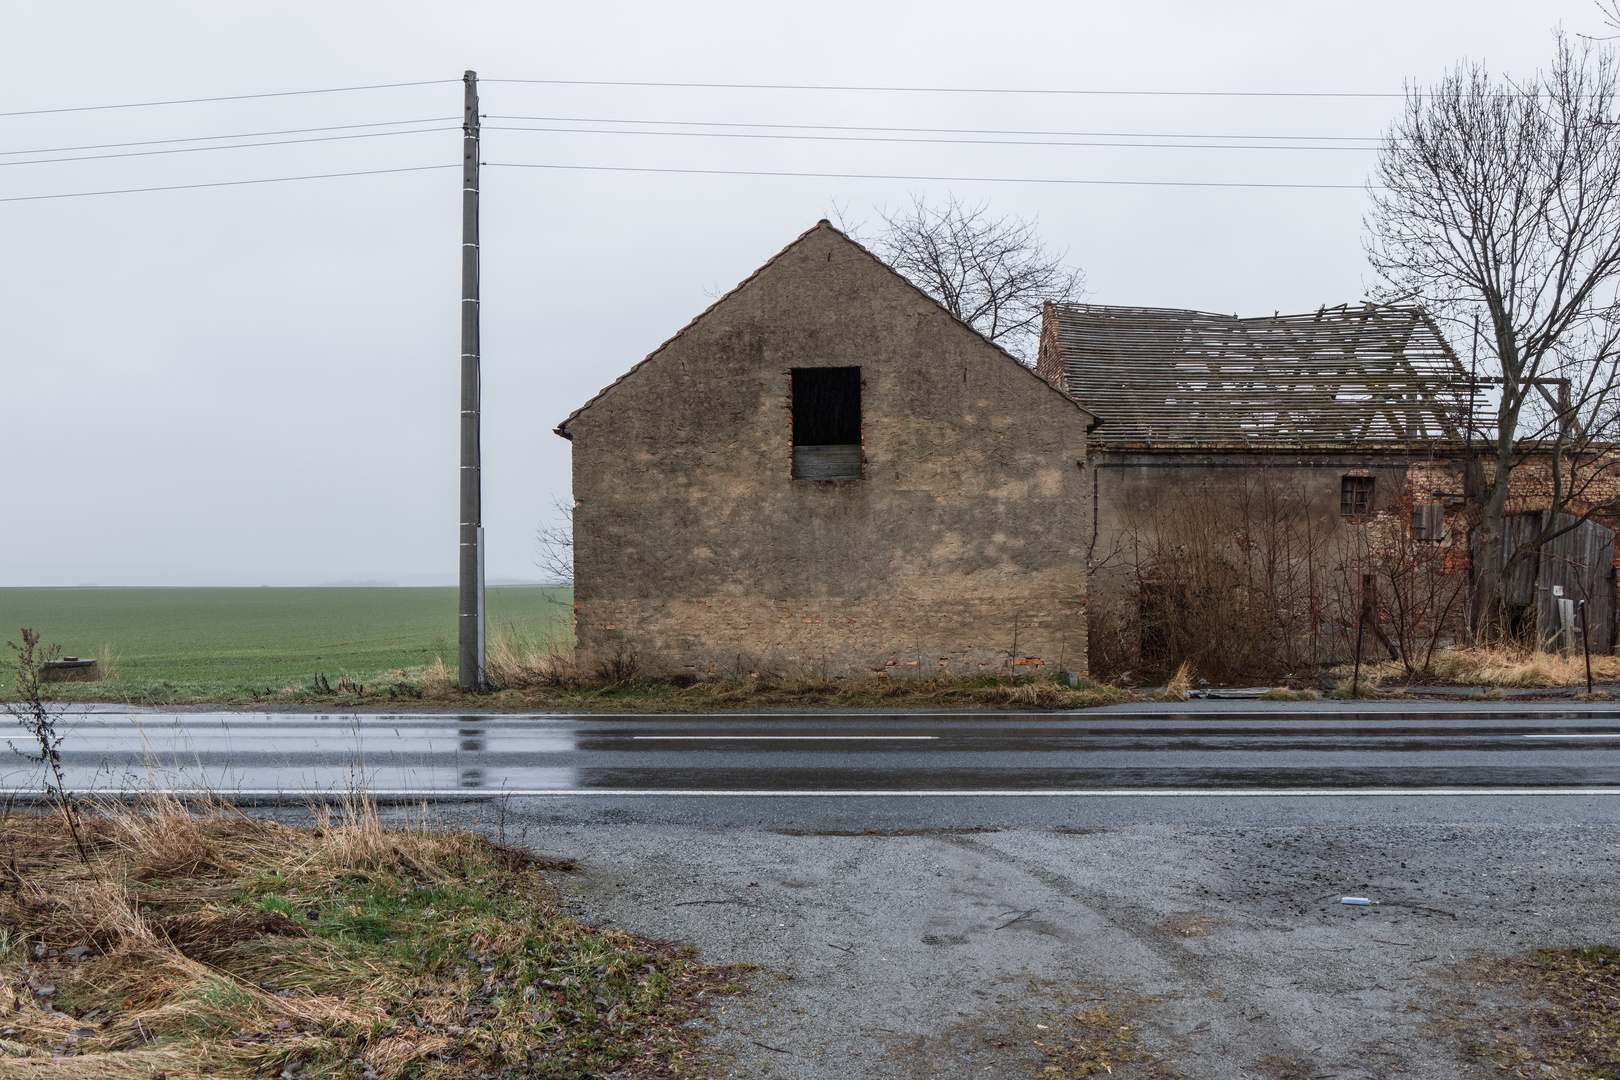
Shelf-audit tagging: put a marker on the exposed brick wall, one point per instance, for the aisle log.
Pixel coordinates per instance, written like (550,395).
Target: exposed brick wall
(1049,358)
(961,547)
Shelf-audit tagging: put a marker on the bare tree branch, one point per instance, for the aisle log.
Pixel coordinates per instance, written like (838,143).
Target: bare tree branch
(992,272)
(555,545)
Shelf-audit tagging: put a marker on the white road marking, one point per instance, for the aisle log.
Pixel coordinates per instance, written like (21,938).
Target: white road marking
(756,793)
(787,738)
(1591,735)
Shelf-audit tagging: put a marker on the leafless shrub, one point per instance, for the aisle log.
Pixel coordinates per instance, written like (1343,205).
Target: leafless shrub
(617,670)
(1254,583)
(1233,583)
(39,720)
(1419,587)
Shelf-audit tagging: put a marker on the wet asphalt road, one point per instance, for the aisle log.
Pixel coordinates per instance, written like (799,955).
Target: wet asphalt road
(933,897)
(1207,748)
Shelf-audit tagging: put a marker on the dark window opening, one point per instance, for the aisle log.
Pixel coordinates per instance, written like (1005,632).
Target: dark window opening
(1428,521)
(1356,497)
(827,423)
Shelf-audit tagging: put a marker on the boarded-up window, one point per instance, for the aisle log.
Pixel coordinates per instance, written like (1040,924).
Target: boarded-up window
(827,423)
(1428,521)
(1356,497)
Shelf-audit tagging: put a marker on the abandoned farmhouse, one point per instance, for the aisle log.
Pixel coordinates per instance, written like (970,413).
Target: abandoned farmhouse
(827,474)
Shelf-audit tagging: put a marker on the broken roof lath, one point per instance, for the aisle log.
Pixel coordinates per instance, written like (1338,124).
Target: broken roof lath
(1337,376)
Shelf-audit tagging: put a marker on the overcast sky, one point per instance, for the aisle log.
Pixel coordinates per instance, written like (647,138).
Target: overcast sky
(257,384)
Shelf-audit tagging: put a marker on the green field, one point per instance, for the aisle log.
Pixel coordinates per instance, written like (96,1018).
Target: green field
(215,644)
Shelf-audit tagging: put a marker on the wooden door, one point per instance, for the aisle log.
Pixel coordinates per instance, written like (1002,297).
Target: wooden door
(1577,566)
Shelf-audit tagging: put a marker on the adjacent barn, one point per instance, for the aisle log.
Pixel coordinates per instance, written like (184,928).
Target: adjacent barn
(1238,464)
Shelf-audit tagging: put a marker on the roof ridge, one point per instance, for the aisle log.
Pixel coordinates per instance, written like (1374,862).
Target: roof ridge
(560,429)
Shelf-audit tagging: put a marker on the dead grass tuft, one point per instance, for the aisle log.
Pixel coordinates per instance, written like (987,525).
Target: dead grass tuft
(516,658)
(198,942)
(1180,683)
(437,679)
(1094,1041)
(1188,924)
(1501,665)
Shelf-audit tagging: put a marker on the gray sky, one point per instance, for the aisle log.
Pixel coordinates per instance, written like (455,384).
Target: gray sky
(257,384)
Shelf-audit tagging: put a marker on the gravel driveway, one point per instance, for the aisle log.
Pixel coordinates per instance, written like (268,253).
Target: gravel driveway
(936,947)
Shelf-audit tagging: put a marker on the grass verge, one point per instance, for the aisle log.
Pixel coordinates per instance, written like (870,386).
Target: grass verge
(204,943)
(1497,666)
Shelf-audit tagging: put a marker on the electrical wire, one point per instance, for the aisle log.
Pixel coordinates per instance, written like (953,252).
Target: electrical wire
(931,142)
(935,130)
(932,179)
(945,89)
(238,135)
(226,183)
(237,146)
(228,97)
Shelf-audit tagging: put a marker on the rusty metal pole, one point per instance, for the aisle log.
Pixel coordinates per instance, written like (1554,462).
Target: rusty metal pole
(1361,624)
(470,628)
(1586,647)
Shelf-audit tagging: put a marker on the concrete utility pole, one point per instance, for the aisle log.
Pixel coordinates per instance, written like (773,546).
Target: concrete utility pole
(470,631)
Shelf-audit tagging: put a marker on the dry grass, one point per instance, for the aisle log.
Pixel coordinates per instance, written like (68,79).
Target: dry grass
(1180,683)
(1558,1015)
(199,942)
(1080,1039)
(515,658)
(1502,666)
(942,691)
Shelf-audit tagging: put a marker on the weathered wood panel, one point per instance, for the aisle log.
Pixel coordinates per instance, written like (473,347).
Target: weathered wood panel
(836,462)
(1577,566)
(1519,589)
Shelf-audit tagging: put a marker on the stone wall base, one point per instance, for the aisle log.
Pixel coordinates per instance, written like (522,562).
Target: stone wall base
(730,637)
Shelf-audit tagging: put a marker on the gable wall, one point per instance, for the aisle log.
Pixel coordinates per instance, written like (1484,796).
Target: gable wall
(961,549)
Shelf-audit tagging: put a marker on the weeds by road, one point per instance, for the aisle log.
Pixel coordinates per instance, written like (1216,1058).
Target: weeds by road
(201,942)
(1560,1018)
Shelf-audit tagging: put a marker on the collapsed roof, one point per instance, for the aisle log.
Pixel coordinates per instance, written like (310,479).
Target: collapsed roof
(1337,376)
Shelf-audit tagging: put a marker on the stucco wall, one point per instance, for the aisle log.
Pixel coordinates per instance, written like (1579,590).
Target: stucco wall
(1130,482)
(962,547)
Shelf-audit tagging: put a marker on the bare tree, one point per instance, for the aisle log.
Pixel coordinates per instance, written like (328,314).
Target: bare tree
(991,271)
(1497,205)
(555,544)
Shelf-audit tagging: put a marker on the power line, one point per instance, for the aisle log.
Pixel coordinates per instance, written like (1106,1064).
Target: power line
(238,135)
(932,179)
(938,130)
(228,97)
(236,146)
(946,89)
(225,183)
(927,141)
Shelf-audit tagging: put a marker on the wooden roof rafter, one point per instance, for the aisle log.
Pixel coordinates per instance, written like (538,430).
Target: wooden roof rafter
(1336,376)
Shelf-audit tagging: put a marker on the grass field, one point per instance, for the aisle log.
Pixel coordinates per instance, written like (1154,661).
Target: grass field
(230,644)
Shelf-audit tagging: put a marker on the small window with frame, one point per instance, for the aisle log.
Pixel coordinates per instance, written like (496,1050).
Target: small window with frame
(1428,522)
(1356,497)
(827,423)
